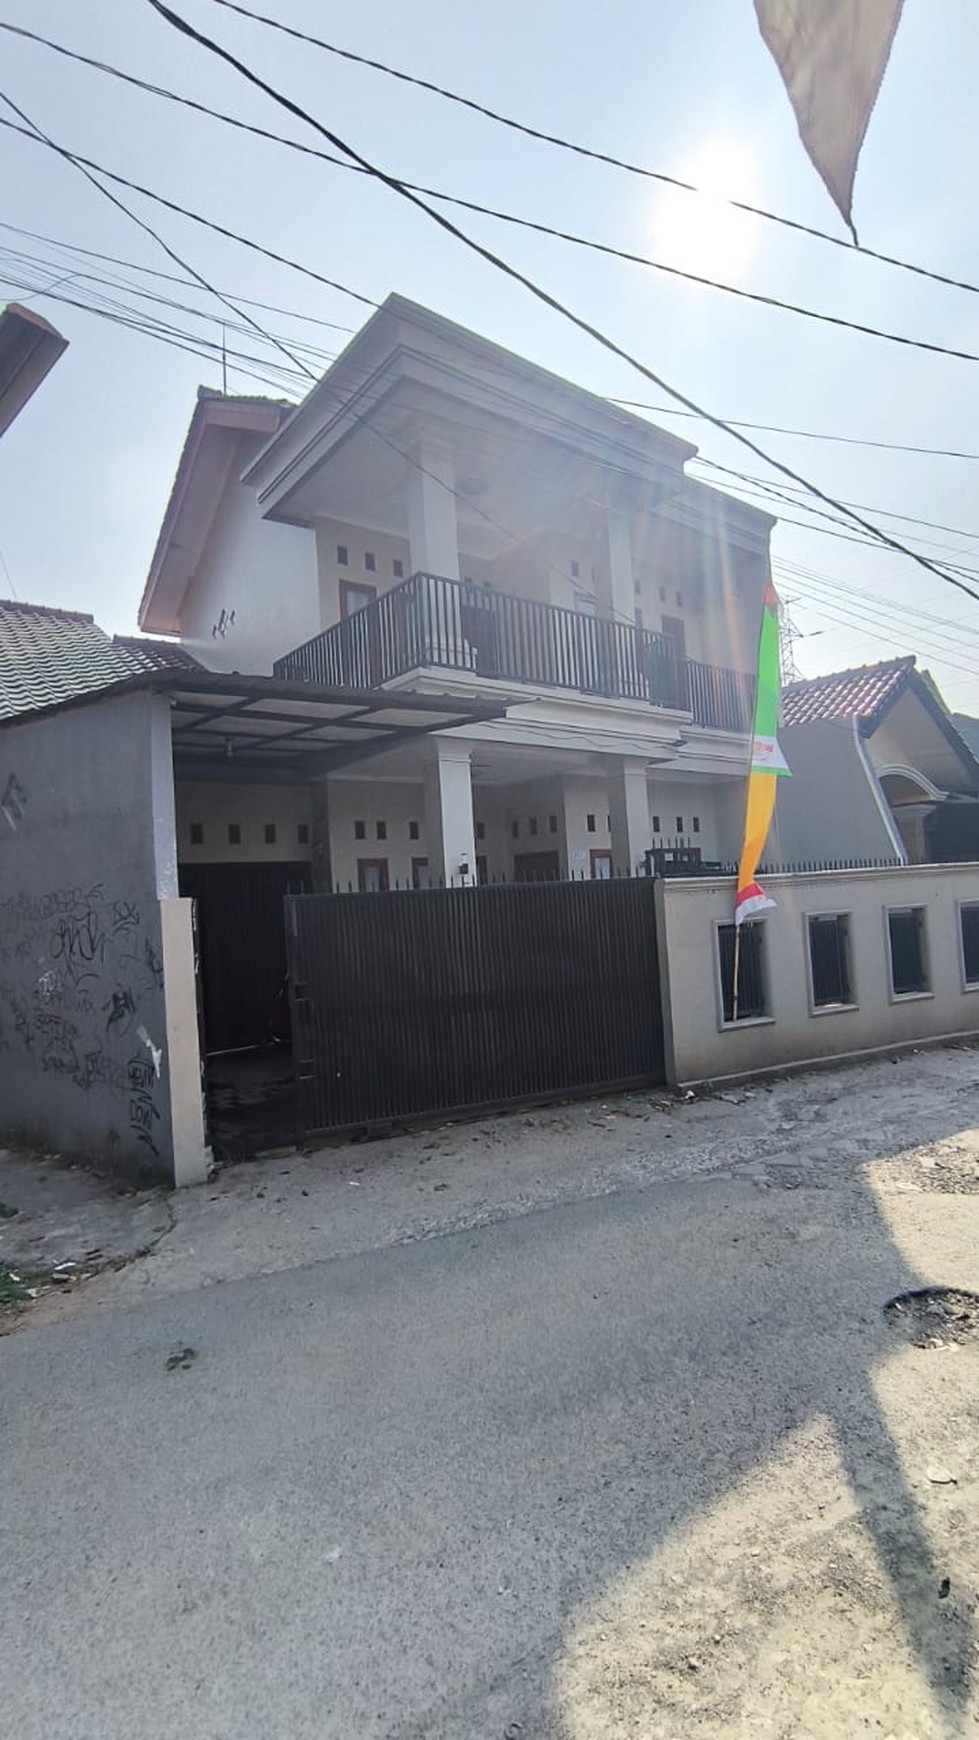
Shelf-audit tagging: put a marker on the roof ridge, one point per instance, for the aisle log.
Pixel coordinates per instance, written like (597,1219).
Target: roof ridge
(26,608)
(905,662)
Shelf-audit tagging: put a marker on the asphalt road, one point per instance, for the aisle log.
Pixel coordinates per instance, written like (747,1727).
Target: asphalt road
(388,1489)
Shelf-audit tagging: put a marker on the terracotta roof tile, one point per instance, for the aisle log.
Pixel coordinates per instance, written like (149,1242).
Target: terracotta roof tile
(856,694)
(48,656)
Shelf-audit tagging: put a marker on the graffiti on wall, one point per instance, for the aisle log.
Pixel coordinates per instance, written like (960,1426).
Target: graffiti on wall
(81,978)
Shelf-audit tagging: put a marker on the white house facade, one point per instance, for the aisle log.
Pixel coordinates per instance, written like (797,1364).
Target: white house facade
(442,517)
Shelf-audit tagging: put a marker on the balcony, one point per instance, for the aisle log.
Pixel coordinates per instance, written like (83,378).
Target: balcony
(430,623)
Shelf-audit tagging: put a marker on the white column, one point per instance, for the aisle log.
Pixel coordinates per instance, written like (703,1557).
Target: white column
(433,531)
(615,582)
(182,1055)
(449,830)
(628,808)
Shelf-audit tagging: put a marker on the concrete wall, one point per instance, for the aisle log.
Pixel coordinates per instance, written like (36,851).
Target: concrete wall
(216,807)
(791,1031)
(830,808)
(86,854)
(261,573)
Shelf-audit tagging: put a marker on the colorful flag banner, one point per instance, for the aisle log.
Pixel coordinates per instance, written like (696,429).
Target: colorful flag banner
(766,765)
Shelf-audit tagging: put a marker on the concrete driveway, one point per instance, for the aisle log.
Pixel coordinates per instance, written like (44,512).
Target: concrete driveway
(646,1462)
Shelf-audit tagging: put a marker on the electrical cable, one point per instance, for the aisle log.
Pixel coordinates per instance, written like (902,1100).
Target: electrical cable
(606,248)
(596,156)
(538,292)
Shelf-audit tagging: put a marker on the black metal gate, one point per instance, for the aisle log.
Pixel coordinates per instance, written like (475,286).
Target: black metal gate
(412,1003)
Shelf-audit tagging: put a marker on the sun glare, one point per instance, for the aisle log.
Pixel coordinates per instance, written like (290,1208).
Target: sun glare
(699,232)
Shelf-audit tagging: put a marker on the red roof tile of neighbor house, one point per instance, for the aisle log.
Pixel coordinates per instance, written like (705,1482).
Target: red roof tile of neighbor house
(48,656)
(856,694)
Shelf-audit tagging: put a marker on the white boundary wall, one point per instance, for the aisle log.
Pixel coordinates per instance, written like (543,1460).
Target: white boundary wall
(702,1046)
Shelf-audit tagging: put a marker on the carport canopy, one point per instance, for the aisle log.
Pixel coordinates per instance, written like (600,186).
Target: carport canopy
(231,725)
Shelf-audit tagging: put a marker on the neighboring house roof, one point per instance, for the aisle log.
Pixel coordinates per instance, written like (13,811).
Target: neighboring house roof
(863,693)
(29,348)
(212,442)
(968,728)
(48,656)
(867,695)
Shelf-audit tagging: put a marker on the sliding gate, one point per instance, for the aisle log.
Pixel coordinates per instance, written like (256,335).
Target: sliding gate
(414,1003)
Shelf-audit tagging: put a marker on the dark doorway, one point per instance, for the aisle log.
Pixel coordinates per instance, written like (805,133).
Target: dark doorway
(245,1001)
(536,867)
(241,924)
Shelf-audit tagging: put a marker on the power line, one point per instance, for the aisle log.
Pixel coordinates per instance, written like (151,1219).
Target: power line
(580,150)
(542,295)
(195,217)
(167,277)
(804,434)
(571,237)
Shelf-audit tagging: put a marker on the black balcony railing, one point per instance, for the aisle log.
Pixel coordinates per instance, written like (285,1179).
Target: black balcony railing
(430,622)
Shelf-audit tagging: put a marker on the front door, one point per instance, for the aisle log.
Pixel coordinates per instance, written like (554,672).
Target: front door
(536,867)
(360,648)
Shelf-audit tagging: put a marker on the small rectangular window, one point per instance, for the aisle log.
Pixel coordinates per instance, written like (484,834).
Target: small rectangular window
(302,833)
(662,594)
(360,830)
(752,1000)
(829,959)
(414,831)
(515,829)
(370,561)
(679,600)
(270,833)
(399,568)
(343,555)
(969,921)
(679,824)
(590,824)
(480,830)
(576,570)
(234,833)
(533,825)
(906,943)
(197,833)
(696,824)
(381,830)
(552,824)
(656,827)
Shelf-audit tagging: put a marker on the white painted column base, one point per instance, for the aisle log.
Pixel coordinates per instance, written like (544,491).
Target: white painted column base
(184,1079)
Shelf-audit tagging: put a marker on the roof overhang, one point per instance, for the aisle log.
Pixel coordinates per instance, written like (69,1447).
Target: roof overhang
(406,355)
(29,349)
(205,465)
(227,726)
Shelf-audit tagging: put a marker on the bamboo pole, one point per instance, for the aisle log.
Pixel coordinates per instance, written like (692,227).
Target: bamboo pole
(735,971)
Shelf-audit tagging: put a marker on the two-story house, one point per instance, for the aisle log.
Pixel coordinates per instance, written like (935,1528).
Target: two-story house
(442,516)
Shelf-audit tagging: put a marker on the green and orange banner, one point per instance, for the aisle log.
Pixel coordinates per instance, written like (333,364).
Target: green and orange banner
(766,765)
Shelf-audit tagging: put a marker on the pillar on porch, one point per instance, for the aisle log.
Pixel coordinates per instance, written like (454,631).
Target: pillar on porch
(628,808)
(449,827)
(615,579)
(433,531)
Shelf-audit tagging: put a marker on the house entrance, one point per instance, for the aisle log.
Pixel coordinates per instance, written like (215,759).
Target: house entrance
(414,1003)
(245,1002)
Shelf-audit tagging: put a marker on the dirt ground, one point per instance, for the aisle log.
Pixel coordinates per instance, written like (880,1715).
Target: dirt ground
(832,1589)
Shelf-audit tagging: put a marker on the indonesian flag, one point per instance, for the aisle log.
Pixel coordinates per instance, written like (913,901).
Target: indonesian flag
(765,767)
(832,55)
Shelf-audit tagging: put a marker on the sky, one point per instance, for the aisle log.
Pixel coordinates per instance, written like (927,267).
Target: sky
(686,90)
